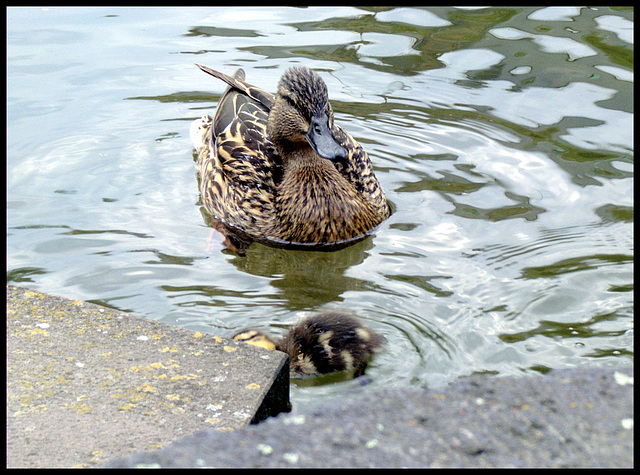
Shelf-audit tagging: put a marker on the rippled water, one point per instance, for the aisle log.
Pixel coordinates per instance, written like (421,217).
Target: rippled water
(502,137)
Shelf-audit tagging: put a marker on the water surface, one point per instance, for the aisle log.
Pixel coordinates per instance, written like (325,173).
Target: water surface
(502,137)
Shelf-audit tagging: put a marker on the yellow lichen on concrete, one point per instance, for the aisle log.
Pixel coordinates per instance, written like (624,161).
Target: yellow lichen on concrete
(178,377)
(79,407)
(148,388)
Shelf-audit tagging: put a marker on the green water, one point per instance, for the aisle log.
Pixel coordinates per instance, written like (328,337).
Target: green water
(502,137)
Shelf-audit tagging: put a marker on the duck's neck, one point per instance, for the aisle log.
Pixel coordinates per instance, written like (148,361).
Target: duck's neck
(304,159)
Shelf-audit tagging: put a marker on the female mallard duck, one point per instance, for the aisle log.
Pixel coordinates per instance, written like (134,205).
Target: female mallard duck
(322,344)
(277,169)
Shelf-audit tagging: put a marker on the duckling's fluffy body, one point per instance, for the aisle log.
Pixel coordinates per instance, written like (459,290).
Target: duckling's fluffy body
(277,167)
(322,344)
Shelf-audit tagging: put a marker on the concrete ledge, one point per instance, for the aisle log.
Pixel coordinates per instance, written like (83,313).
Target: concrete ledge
(86,384)
(568,418)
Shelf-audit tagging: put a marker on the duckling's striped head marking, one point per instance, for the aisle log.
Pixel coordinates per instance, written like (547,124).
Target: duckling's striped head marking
(305,89)
(255,338)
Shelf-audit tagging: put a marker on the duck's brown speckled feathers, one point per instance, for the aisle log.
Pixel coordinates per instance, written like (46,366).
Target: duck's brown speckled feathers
(237,164)
(261,175)
(322,344)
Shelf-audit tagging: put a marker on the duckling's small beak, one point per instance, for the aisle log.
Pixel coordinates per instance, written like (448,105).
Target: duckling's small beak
(322,140)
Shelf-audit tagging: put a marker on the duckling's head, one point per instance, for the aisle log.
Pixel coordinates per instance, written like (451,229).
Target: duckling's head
(302,116)
(255,338)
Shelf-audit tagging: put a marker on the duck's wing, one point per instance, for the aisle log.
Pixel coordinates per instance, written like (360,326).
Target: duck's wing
(245,151)
(237,173)
(229,104)
(240,169)
(205,130)
(356,167)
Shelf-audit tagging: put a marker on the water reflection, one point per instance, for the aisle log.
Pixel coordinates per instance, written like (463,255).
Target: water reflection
(306,279)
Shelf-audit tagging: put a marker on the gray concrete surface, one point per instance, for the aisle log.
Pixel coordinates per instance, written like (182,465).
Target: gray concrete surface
(86,384)
(568,418)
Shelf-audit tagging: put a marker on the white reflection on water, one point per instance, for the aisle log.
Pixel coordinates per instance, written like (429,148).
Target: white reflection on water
(555,14)
(621,27)
(549,44)
(411,16)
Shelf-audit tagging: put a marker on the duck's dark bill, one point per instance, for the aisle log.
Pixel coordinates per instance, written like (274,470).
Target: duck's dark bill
(322,140)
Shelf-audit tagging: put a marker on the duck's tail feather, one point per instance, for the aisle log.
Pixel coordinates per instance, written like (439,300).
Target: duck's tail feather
(237,82)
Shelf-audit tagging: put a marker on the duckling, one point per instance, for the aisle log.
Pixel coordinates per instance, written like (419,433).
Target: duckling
(322,344)
(276,169)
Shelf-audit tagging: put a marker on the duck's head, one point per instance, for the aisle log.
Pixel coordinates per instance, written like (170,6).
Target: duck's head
(302,116)
(255,338)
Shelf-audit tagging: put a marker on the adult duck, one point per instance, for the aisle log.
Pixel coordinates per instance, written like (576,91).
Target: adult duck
(276,169)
